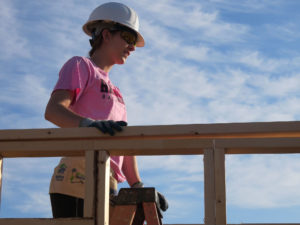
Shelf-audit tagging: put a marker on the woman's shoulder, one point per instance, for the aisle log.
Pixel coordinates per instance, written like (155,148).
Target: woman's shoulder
(79,59)
(78,62)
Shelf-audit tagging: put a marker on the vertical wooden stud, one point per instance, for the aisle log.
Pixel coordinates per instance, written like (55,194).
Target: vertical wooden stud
(220,187)
(209,187)
(102,199)
(90,179)
(1,170)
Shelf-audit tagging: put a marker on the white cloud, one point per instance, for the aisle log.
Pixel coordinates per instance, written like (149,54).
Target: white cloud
(184,190)
(28,90)
(284,86)
(26,184)
(270,181)
(26,93)
(187,94)
(16,169)
(37,202)
(257,60)
(185,211)
(287,32)
(12,42)
(248,6)
(193,20)
(174,163)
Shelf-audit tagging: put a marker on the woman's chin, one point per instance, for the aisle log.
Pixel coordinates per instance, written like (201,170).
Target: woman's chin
(122,60)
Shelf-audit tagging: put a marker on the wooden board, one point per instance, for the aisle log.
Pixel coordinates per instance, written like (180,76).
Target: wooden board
(114,147)
(90,184)
(220,187)
(102,189)
(259,145)
(29,221)
(225,130)
(209,187)
(148,147)
(1,171)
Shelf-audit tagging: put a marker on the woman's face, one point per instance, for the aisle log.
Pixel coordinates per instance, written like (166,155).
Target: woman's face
(119,48)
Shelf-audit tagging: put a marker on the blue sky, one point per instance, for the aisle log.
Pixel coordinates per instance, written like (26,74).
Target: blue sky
(204,62)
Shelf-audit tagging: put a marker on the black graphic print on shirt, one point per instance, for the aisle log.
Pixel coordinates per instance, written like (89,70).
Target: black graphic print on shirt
(108,90)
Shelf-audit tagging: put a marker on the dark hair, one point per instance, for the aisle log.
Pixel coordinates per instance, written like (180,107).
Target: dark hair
(96,41)
(95,44)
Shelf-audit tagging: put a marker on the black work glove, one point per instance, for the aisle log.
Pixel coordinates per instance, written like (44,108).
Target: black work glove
(105,126)
(163,203)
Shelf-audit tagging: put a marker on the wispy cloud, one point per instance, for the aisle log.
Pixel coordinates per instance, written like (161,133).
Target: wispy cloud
(36,202)
(248,6)
(288,31)
(263,181)
(25,186)
(257,181)
(187,164)
(24,90)
(11,42)
(25,99)
(186,93)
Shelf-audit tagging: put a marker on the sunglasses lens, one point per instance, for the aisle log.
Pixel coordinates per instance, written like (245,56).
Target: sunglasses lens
(129,37)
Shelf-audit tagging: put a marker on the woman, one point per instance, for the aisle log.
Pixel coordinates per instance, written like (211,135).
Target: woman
(84,96)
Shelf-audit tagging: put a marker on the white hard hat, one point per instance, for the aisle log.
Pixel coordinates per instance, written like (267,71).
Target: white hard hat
(115,12)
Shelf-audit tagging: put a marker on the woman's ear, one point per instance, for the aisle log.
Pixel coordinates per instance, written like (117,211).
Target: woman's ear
(106,35)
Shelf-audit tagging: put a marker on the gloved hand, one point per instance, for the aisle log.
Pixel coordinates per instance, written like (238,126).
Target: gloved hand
(105,126)
(138,184)
(163,203)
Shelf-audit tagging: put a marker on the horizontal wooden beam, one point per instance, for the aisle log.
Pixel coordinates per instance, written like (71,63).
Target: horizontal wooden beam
(52,148)
(235,138)
(30,221)
(259,145)
(198,131)
(56,148)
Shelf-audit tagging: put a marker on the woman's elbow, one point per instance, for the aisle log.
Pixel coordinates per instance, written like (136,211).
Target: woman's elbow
(48,113)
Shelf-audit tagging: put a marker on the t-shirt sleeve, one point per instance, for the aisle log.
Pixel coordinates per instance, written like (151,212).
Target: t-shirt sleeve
(73,76)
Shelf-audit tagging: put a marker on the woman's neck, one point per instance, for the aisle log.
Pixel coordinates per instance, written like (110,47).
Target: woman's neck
(102,61)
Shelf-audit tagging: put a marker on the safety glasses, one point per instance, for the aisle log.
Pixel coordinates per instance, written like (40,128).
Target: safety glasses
(126,34)
(129,37)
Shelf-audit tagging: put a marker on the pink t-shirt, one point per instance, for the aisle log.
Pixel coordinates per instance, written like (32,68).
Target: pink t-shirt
(95,97)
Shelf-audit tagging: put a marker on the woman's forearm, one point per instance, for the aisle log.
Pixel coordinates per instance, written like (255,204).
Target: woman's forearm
(130,170)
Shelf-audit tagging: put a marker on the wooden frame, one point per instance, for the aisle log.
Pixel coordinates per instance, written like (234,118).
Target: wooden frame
(214,141)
